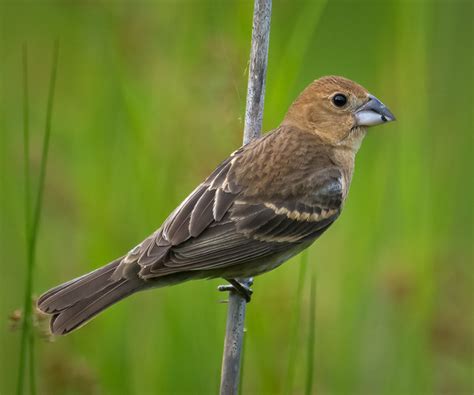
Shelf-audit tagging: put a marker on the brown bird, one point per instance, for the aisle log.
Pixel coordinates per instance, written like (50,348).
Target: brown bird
(268,201)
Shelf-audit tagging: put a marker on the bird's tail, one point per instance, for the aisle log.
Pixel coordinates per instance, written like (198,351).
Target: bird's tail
(74,303)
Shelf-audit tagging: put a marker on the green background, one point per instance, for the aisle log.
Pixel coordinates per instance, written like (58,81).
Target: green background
(150,97)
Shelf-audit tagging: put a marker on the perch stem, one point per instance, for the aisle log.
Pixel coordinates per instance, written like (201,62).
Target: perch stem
(231,359)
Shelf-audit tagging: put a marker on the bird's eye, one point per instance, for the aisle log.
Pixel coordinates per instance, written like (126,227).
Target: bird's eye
(339,100)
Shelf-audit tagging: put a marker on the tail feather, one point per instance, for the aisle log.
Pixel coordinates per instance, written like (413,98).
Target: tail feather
(64,295)
(80,313)
(76,302)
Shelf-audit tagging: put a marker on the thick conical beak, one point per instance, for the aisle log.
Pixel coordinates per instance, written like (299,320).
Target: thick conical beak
(373,113)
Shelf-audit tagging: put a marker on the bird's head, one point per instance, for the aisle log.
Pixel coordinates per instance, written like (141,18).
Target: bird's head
(338,110)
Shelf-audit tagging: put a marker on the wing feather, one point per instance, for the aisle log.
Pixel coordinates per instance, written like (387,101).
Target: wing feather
(202,213)
(223,201)
(219,226)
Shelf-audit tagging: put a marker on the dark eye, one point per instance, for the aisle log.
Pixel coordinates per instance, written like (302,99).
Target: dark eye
(339,100)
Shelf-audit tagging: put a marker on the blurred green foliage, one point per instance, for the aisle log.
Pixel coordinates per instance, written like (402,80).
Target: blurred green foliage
(150,97)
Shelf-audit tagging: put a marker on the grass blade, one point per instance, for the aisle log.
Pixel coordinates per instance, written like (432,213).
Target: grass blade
(26,141)
(311,336)
(27,335)
(293,346)
(26,175)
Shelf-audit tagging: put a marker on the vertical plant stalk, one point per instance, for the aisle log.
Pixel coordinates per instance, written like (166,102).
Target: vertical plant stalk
(311,336)
(231,359)
(27,335)
(27,191)
(26,141)
(258,69)
(293,348)
(26,179)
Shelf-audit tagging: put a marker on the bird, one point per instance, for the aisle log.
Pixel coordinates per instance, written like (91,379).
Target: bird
(265,203)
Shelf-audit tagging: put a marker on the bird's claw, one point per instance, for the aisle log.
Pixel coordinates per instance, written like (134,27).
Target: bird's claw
(241,287)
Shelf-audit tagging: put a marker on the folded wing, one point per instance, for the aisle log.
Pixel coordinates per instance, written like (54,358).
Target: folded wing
(219,226)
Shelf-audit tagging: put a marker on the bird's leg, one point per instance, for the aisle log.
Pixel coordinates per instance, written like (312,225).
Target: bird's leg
(239,286)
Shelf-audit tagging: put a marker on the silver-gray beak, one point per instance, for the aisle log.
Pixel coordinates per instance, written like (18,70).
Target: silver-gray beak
(373,113)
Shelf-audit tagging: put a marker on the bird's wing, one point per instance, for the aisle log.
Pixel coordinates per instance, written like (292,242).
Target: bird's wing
(218,225)
(208,203)
(255,230)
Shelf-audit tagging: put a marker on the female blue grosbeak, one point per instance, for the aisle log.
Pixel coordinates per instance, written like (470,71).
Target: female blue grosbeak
(265,203)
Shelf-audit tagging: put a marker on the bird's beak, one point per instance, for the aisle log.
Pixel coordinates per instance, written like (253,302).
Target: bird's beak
(373,113)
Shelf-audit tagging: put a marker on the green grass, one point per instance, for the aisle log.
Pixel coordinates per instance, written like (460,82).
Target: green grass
(27,343)
(149,99)
(309,386)
(295,333)
(26,349)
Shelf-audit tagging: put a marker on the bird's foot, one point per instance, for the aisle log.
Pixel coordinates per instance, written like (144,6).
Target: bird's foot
(241,287)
